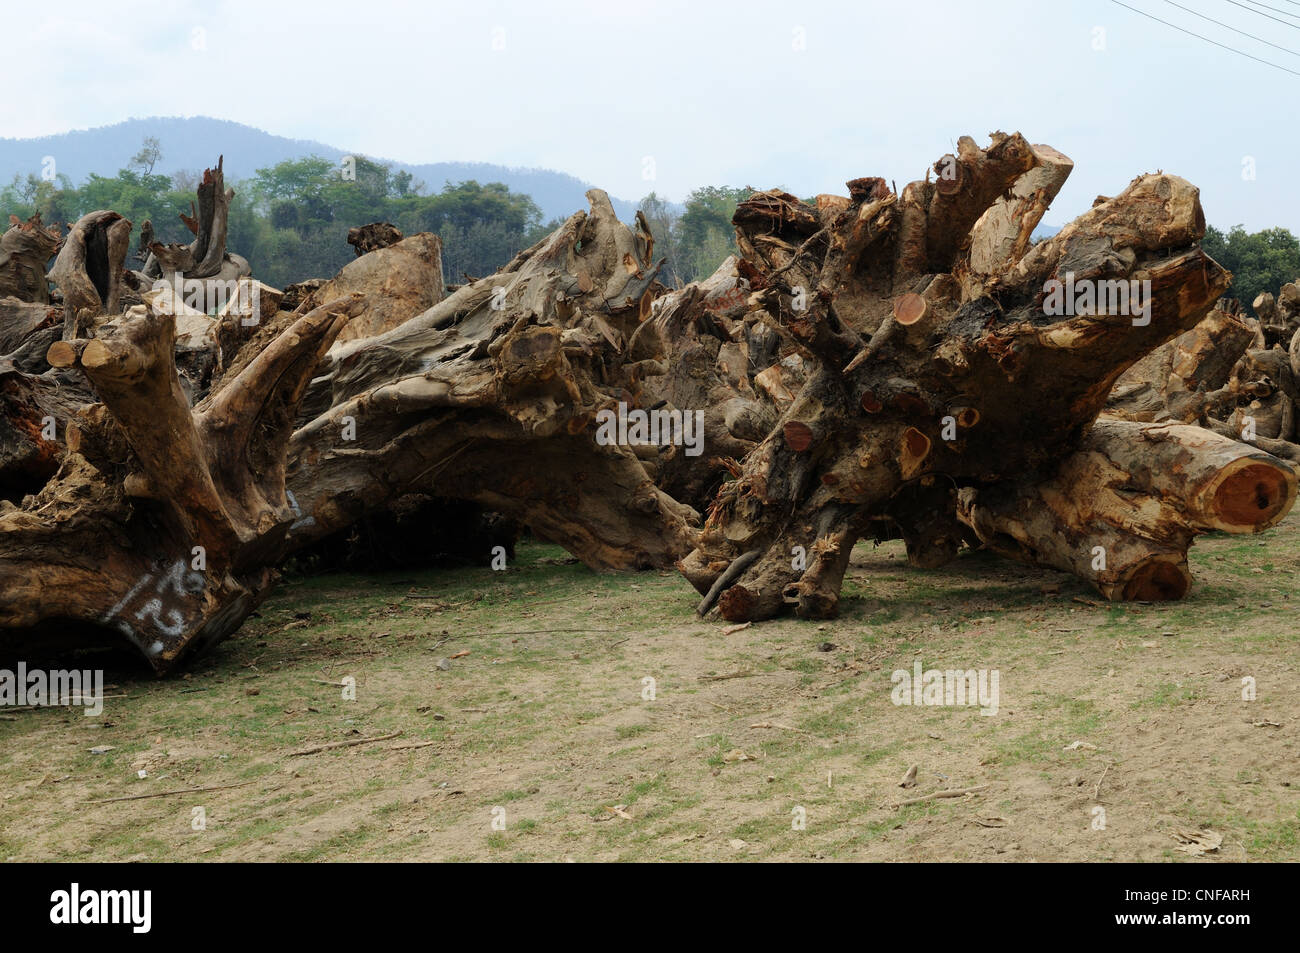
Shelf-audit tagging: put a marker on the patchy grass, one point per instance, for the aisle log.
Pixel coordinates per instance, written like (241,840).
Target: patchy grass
(547,724)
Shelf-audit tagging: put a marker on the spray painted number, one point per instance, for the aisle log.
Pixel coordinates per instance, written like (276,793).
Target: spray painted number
(158,603)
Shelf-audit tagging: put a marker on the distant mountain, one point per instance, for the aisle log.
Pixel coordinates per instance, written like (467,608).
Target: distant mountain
(1044,231)
(194,144)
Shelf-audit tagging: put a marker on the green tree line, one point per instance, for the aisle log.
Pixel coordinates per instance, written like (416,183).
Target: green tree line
(291,220)
(1259,261)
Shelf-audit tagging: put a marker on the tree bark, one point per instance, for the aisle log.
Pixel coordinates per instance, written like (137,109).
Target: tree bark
(1122,509)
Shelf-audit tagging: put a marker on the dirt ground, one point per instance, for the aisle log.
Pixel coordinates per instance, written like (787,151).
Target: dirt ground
(529,731)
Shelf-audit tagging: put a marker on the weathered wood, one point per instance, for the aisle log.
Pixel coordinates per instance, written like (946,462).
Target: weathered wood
(1002,235)
(492,395)
(1190,376)
(19,321)
(877,365)
(89,270)
(206,256)
(399,280)
(1279,316)
(25,251)
(164,521)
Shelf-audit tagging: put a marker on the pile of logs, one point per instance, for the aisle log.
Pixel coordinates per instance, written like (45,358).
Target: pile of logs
(878,365)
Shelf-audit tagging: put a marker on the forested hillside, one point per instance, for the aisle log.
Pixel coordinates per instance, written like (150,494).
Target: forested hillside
(188,146)
(292,218)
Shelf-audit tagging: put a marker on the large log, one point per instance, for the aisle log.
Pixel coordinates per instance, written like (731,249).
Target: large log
(1122,509)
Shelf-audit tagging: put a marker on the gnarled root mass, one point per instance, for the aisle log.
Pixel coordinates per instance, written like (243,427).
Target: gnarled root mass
(940,380)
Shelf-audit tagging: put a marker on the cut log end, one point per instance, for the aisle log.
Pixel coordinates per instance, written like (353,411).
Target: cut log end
(949,176)
(912,451)
(95,355)
(62,354)
(1249,495)
(909,308)
(1161,578)
(736,604)
(798,435)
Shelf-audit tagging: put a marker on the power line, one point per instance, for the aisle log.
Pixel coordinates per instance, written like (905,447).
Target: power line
(1256,3)
(1198,36)
(1266,16)
(1232,28)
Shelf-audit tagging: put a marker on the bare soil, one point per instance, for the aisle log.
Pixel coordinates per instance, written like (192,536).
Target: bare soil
(541,739)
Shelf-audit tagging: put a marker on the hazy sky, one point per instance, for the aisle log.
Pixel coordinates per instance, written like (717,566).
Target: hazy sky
(799,94)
